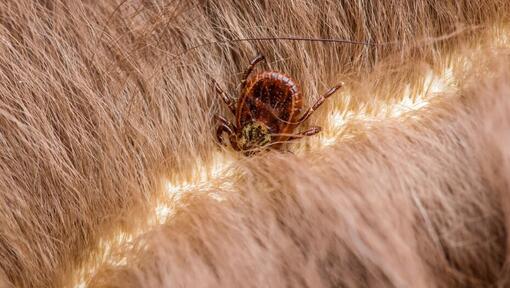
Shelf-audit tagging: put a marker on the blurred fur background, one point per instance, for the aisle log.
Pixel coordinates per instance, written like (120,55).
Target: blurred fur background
(103,104)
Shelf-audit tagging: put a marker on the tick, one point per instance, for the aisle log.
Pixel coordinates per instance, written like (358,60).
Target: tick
(267,111)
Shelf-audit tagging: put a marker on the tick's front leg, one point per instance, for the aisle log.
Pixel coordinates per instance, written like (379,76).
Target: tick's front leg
(230,129)
(310,132)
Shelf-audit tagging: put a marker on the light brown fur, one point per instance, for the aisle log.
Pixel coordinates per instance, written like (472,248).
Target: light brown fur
(98,104)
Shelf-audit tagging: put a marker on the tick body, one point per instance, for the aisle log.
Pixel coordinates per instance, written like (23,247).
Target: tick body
(266,112)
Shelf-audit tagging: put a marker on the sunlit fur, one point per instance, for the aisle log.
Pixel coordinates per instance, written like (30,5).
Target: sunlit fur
(100,109)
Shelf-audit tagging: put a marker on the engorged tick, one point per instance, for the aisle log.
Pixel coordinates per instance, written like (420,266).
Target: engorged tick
(267,111)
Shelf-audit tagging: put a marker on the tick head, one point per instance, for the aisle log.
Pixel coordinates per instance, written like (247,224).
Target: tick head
(254,135)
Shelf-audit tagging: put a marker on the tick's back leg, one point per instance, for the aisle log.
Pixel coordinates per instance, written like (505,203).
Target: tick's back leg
(318,103)
(231,103)
(248,70)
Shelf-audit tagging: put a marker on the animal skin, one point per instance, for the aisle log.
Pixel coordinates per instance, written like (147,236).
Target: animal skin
(102,106)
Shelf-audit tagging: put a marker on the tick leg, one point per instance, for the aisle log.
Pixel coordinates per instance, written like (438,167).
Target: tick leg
(229,128)
(227,99)
(248,70)
(318,103)
(310,132)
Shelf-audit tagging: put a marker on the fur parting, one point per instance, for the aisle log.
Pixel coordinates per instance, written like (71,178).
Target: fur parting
(409,203)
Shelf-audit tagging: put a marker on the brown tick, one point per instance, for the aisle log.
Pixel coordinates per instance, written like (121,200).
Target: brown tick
(266,112)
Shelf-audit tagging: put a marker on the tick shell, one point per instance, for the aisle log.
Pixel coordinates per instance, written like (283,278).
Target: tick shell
(273,99)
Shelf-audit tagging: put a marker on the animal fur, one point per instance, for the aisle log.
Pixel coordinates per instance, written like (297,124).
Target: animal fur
(99,104)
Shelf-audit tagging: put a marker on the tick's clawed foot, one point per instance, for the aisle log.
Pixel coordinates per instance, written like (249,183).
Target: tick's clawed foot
(312,131)
(333,89)
(259,57)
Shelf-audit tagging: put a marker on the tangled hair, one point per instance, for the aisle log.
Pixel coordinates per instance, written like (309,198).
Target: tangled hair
(106,108)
